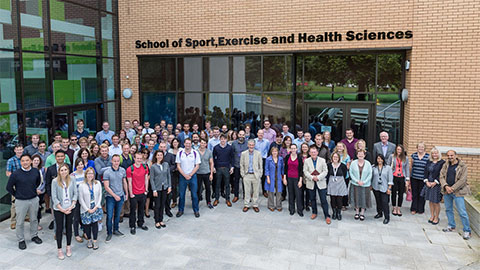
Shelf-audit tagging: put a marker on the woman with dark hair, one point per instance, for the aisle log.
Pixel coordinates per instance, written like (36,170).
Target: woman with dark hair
(78,174)
(146,154)
(304,147)
(286,144)
(294,178)
(336,184)
(84,155)
(174,149)
(37,163)
(382,182)
(398,161)
(94,151)
(160,181)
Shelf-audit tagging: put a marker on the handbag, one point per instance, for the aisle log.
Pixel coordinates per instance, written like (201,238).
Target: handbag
(409,195)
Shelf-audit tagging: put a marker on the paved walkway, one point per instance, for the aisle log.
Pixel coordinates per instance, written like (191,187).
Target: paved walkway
(227,238)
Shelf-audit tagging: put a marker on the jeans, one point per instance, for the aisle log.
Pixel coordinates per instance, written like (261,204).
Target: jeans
(323,199)
(462,211)
(182,186)
(223,173)
(113,212)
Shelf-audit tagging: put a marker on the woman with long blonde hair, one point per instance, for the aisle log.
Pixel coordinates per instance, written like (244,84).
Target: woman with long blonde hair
(90,198)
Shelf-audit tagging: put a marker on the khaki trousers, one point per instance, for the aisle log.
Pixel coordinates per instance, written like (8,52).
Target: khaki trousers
(251,185)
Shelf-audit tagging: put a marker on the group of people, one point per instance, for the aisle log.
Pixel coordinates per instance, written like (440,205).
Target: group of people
(127,173)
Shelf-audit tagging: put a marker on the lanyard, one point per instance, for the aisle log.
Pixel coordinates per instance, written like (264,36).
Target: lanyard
(66,190)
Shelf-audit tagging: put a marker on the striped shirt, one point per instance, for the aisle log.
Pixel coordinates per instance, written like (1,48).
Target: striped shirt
(418,166)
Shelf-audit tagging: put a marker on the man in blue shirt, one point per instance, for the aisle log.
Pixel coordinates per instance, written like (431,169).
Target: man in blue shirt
(215,139)
(223,160)
(14,164)
(299,140)
(184,134)
(104,134)
(285,132)
(262,145)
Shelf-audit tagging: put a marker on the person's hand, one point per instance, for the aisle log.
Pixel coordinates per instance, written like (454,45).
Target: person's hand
(146,192)
(132,196)
(360,183)
(117,198)
(433,184)
(427,184)
(231,170)
(155,194)
(268,181)
(188,177)
(315,178)
(389,191)
(284,182)
(39,192)
(169,190)
(299,184)
(214,170)
(91,211)
(449,189)
(407,184)
(210,177)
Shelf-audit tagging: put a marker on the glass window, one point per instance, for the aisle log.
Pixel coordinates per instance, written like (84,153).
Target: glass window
(218,74)
(158,74)
(246,110)
(33,29)
(217,109)
(36,81)
(108,34)
(107,5)
(276,108)
(89,118)
(8,25)
(39,122)
(159,106)
(388,117)
(323,118)
(277,73)
(111,115)
(10,125)
(73,28)
(10,93)
(109,89)
(190,75)
(62,123)
(247,73)
(75,80)
(389,73)
(190,108)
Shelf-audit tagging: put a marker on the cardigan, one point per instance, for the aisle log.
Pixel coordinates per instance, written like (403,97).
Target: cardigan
(57,193)
(160,176)
(300,165)
(405,166)
(366,174)
(342,171)
(84,195)
(386,177)
(270,171)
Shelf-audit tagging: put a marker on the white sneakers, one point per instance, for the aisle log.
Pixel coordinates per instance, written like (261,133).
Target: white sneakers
(467,235)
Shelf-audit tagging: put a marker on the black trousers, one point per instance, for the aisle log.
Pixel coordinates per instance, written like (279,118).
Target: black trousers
(398,189)
(305,196)
(137,201)
(90,229)
(263,175)
(336,202)
(223,174)
(174,194)
(345,198)
(204,179)
(418,202)
(381,199)
(77,222)
(160,202)
(236,182)
(295,195)
(60,220)
(41,200)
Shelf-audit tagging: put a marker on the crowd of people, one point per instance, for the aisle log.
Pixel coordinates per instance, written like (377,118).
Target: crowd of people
(140,169)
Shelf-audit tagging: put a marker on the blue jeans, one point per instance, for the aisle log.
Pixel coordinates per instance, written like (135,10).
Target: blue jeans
(323,199)
(113,207)
(462,211)
(182,185)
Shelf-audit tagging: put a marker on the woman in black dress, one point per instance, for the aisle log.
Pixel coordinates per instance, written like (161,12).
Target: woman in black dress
(431,190)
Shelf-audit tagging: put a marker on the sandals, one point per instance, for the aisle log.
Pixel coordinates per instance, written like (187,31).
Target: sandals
(78,239)
(357,216)
(89,244)
(435,223)
(362,217)
(95,245)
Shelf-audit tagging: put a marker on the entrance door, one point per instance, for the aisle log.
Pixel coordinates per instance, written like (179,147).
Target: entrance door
(336,117)
(66,119)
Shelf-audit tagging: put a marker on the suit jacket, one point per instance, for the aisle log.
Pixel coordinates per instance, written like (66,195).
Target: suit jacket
(321,167)
(257,163)
(377,149)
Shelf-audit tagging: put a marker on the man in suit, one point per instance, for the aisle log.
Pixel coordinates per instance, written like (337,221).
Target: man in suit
(383,147)
(251,170)
(315,170)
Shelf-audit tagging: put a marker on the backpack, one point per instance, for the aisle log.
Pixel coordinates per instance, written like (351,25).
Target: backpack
(144,167)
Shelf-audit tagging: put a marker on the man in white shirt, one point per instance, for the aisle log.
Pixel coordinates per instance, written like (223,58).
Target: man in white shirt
(115,148)
(188,161)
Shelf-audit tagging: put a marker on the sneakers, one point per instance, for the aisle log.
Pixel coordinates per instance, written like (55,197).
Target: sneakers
(467,235)
(448,229)
(100,227)
(109,237)
(118,233)
(22,245)
(210,206)
(37,240)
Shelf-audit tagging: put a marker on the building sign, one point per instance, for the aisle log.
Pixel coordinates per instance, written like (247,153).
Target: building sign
(288,39)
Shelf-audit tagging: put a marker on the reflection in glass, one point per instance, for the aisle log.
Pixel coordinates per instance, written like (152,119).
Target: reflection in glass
(276,73)
(109,78)
(158,74)
(359,123)
(36,81)
(190,75)
(276,108)
(217,109)
(159,106)
(73,28)
(108,32)
(390,73)
(8,25)
(388,117)
(111,116)
(33,31)
(218,73)
(190,108)
(247,73)
(39,122)
(246,110)
(321,119)
(10,94)
(75,80)
(89,118)
(62,124)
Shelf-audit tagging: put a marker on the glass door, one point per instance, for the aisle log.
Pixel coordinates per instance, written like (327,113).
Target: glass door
(66,119)
(323,118)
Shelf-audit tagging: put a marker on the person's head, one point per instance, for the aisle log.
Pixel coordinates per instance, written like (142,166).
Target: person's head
(279,138)
(186,127)
(80,124)
(384,137)
(208,125)
(349,133)
(162,146)
(327,136)
(164,135)
(340,147)
(195,127)
(90,138)
(293,148)
(18,149)
(145,154)
(335,157)
(177,132)
(55,147)
(223,139)
(452,156)
(57,137)
(115,139)
(95,149)
(435,154)
(216,132)
(137,139)
(287,142)
(127,125)
(195,138)
(266,124)
(224,128)
(35,139)
(158,157)
(65,143)
(170,128)
(307,136)
(115,161)
(361,154)
(248,128)
(251,145)
(60,156)
(285,128)
(25,161)
(138,158)
(304,148)
(241,136)
(63,175)
(360,144)
(105,126)
(400,152)
(146,138)
(135,123)
(319,140)
(154,137)
(139,129)
(421,147)
(126,149)
(260,134)
(104,151)
(89,176)
(83,142)
(163,124)
(133,149)
(300,133)
(157,128)
(178,126)
(203,144)
(83,154)
(380,160)
(146,124)
(42,146)
(151,145)
(170,138)
(175,143)
(313,151)
(79,164)
(274,152)
(73,140)
(188,144)
(203,135)
(232,135)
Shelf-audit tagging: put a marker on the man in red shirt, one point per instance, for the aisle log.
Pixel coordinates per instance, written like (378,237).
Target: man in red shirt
(137,176)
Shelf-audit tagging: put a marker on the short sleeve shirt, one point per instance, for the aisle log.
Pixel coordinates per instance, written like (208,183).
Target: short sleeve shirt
(138,178)
(13,164)
(188,161)
(115,178)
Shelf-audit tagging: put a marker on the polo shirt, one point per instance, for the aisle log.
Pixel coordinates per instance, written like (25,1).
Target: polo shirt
(138,178)
(115,178)
(51,160)
(188,161)
(30,149)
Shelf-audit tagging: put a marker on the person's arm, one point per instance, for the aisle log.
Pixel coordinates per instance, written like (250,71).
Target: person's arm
(285,165)
(106,184)
(231,161)
(75,194)
(443,176)
(306,171)
(242,165)
(324,170)
(169,179)
(11,184)
(125,186)
(83,204)
(130,189)
(98,166)
(210,160)
(146,181)
(353,173)
(461,179)
(152,178)
(368,176)
(407,169)
(267,171)
(179,169)
(54,196)
(98,199)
